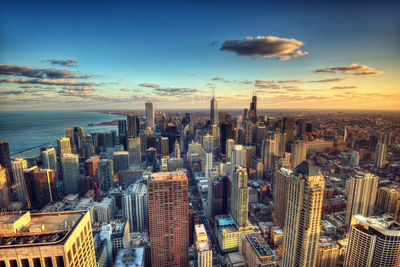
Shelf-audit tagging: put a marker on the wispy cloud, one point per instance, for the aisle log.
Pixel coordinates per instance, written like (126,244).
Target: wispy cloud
(290,81)
(344,87)
(46,81)
(330,80)
(218,79)
(125,89)
(26,71)
(173,91)
(354,69)
(66,63)
(76,91)
(151,85)
(265,47)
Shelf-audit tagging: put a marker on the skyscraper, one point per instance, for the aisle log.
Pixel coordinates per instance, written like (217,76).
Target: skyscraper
(135,155)
(380,153)
(150,114)
(5,160)
(226,133)
(64,145)
(91,166)
(134,206)
(298,153)
(238,157)
(229,145)
(213,111)
(49,157)
(240,197)
(177,150)
(281,184)
(288,128)
(168,207)
(253,109)
(120,161)
(105,174)
(303,216)
(18,166)
(122,127)
(133,125)
(70,172)
(267,152)
(164,146)
(44,186)
(203,246)
(361,195)
(4,194)
(373,241)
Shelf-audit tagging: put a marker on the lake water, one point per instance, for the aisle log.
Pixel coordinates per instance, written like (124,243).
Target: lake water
(27,129)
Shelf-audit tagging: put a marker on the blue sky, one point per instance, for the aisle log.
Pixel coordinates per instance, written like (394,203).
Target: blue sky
(176,45)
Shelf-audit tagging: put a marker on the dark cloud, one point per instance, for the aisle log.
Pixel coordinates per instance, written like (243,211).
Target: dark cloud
(67,62)
(46,81)
(265,47)
(151,85)
(26,71)
(354,69)
(174,91)
(345,87)
(12,92)
(218,79)
(330,80)
(214,43)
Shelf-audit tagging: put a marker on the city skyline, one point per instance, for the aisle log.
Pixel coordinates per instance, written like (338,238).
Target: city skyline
(121,55)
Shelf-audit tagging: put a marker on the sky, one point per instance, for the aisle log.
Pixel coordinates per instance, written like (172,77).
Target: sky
(119,54)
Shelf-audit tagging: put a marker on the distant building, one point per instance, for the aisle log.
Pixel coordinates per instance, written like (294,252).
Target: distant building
(91,166)
(47,239)
(44,186)
(122,130)
(4,194)
(64,145)
(5,160)
(18,166)
(135,155)
(280,195)
(133,126)
(49,158)
(387,198)
(70,172)
(164,146)
(105,174)
(120,161)
(213,111)
(358,202)
(380,153)
(150,114)
(373,241)
(298,153)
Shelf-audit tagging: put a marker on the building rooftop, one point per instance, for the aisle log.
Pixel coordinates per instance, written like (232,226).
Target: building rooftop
(224,220)
(175,175)
(382,223)
(307,168)
(259,245)
(130,257)
(22,229)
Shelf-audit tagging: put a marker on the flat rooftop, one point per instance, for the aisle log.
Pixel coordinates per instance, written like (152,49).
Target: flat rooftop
(175,175)
(259,245)
(382,223)
(224,220)
(19,229)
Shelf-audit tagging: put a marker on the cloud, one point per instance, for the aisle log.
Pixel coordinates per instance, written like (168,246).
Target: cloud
(76,91)
(173,91)
(345,87)
(151,85)
(67,63)
(290,81)
(214,43)
(26,71)
(46,81)
(218,79)
(12,92)
(265,47)
(125,89)
(330,80)
(245,82)
(293,89)
(266,84)
(30,86)
(354,69)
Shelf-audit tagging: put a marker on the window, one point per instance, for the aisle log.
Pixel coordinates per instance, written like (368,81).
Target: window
(48,262)
(2,264)
(25,263)
(60,261)
(36,262)
(13,263)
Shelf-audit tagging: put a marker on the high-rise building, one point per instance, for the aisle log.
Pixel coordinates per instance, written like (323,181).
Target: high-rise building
(134,206)
(44,186)
(49,157)
(221,196)
(303,216)
(229,145)
(358,202)
(203,246)
(226,134)
(253,109)
(380,153)
(267,153)
(288,128)
(70,172)
(328,254)
(164,146)
(47,239)
(240,197)
(133,125)
(387,198)
(29,183)
(238,156)
(150,114)
(18,166)
(281,184)
(213,111)
(134,149)
(105,174)
(91,166)
(122,130)
(396,214)
(255,251)
(248,132)
(298,153)
(4,193)
(208,143)
(5,160)
(373,241)
(168,208)
(121,161)
(177,150)
(64,145)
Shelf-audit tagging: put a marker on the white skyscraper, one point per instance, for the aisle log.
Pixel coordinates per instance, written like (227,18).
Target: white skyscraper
(134,206)
(238,157)
(18,166)
(150,114)
(49,158)
(229,145)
